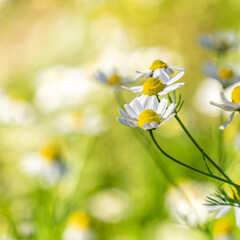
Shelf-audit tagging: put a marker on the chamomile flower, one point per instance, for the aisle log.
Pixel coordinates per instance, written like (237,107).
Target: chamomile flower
(45,164)
(159,69)
(112,79)
(232,106)
(147,116)
(186,206)
(156,87)
(220,42)
(78,227)
(222,202)
(226,75)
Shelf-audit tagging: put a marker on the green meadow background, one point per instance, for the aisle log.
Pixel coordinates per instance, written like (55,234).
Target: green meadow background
(90,35)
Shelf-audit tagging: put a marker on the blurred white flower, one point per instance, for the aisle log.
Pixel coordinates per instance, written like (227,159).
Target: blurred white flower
(112,79)
(207,91)
(88,122)
(110,205)
(187,206)
(61,86)
(26,229)
(45,164)
(220,41)
(227,75)
(14,110)
(169,231)
(78,227)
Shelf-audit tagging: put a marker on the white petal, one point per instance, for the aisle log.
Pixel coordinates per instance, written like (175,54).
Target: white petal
(162,106)
(126,123)
(156,73)
(135,89)
(137,106)
(130,111)
(170,118)
(153,103)
(154,125)
(173,87)
(143,100)
(224,99)
(223,211)
(175,78)
(177,68)
(169,111)
(146,126)
(225,106)
(164,76)
(101,76)
(225,124)
(237,216)
(123,114)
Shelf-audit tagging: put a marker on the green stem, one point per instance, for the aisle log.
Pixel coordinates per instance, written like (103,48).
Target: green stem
(201,149)
(187,166)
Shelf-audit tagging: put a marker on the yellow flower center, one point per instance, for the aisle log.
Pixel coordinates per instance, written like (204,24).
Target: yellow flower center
(158,64)
(114,79)
(226,73)
(78,220)
(235,192)
(153,86)
(236,95)
(49,152)
(148,116)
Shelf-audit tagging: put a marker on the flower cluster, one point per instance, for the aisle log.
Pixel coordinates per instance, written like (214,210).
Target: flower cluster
(226,74)
(148,111)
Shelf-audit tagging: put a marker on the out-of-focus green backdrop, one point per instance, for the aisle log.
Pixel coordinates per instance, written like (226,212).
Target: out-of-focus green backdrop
(109,175)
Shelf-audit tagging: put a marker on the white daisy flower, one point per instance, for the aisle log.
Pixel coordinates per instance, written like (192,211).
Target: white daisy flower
(220,41)
(227,75)
(187,206)
(112,79)
(45,164)
(61,86)
(232,106)
(88,122)
(159,69)
(110,205)
(155,86)
(147,116)
(78,227)
(15,110)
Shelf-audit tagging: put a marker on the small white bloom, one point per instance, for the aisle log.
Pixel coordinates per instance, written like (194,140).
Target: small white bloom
(112,78)
(159,69)
(14,110)
(220,41)
(147,114)
(155,86)
(227,75)
(232,106)
(110,205)
(88,122)
(186,204)
(61,86)
(78,227)
(46,165)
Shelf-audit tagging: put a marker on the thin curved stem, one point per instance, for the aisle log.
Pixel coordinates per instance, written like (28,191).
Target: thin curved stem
(201,149)
(187,166)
